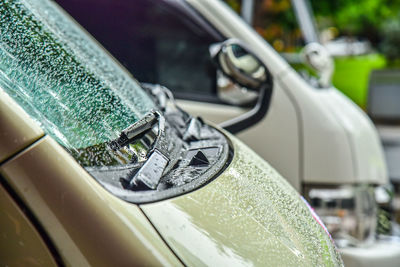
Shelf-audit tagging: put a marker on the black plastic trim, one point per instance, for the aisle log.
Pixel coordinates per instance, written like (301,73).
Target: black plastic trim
(258,112)
(253,116)
(146,197)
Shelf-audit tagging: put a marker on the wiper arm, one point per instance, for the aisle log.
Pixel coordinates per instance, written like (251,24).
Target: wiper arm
(132,132)
(152,170)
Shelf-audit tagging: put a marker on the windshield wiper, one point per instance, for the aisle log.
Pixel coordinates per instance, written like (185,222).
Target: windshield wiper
(152,170)
(166,153)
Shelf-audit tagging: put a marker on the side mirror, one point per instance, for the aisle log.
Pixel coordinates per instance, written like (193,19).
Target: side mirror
(241,66)
(245,69)
(318,58)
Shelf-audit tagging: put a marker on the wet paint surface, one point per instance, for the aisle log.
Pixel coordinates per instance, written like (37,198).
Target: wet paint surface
(247,216)
(20,242)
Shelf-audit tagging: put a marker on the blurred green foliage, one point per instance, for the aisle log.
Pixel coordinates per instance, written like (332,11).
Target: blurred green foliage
(234,4)
(276,22)
(359,69)
(354,17)
(375,20)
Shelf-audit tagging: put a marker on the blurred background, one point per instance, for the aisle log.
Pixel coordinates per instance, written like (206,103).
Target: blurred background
(362,38)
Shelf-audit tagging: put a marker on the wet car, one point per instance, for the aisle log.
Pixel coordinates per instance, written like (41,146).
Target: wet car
(319,140)
(98,169)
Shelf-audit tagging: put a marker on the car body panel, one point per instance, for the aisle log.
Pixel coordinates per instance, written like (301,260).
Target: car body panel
(16,129)
(20,242)
(86,224)
(249,215)
(248,197)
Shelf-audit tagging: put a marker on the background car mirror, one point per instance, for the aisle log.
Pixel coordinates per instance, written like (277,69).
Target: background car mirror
(232,93)
(318,58)
(239,64)
(246,79)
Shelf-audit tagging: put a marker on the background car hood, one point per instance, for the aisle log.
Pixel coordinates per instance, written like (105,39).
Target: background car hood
(249,215)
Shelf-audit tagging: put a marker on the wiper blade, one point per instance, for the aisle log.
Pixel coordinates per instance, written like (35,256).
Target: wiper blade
(154,159)
(132,132)
(152,170)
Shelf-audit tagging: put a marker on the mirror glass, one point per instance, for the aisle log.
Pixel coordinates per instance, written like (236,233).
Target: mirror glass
(233,93)
(242,66)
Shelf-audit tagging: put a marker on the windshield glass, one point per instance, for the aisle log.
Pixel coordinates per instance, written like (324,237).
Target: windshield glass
(77,93)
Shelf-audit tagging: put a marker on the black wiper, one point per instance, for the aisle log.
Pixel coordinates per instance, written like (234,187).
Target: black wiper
(152,170)
(182,153)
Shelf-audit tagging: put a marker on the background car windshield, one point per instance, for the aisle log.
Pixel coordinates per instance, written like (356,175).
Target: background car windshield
(62,78)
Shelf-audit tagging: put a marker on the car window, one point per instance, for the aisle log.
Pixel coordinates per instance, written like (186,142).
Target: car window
(77,93)
(164,38)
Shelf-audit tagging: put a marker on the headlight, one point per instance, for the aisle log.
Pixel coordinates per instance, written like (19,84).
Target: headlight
(349,213)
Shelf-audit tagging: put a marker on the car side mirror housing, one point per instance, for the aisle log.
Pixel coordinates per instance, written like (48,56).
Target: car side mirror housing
(246,70)
(242,66)
(318,58)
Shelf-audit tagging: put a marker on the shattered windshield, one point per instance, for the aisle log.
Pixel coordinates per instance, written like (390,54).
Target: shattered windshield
(77,93)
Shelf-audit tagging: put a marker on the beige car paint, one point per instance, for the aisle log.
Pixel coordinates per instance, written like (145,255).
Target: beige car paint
(20,243)
(16,128)
(87,225)
(248,216)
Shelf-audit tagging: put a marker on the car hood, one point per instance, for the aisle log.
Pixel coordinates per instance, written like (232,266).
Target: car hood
(248,215)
